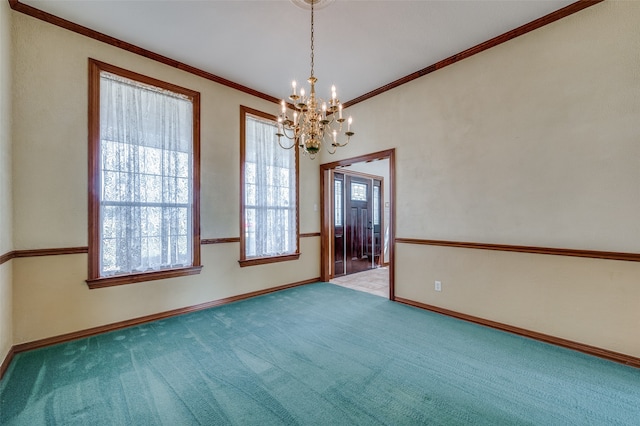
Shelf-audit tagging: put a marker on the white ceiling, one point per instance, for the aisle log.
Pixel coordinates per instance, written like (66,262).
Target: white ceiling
(264,44)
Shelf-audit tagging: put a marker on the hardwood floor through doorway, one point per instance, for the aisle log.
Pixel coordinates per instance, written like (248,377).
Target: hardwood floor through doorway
(374,281)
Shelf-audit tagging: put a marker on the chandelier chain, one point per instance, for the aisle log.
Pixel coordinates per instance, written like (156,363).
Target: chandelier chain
(314,122)
(312,2)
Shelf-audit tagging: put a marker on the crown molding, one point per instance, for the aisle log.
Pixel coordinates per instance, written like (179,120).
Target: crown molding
(509,35)
(88,32)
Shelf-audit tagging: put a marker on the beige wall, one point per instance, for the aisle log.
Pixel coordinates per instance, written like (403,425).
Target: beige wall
(6,206)
(533,142)
(50,187)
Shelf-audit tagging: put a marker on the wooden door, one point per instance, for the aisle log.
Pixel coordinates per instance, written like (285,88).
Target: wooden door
(358,224)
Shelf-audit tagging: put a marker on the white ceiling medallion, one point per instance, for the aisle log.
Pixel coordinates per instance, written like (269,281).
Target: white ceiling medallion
(317,4)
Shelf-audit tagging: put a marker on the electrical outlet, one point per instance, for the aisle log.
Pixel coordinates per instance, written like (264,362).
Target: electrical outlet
(438,286)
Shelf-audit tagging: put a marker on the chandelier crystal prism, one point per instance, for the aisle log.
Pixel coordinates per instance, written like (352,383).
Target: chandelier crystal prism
(314,122)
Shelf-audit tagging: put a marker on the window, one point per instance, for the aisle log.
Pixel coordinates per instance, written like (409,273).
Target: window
(358,192)
(144,157)
(337,188)
(376,204)
(268,193)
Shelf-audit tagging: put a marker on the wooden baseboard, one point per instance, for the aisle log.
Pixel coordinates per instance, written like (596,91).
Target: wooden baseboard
(7,360)
(590,350)
(580,347)
(22,347)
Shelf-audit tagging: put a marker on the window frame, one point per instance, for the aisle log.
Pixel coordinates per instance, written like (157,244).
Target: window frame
(94,224)
(261,260)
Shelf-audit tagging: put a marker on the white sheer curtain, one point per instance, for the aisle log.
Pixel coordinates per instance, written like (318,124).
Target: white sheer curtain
(270,192)
(146,174)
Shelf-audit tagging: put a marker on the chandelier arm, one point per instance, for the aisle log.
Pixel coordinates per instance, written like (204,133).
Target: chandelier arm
(340,145)
(291,135)
(331,148)
(286,147)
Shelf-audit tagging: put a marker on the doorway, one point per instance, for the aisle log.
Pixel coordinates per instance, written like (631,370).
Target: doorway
(363,252)
(357,222)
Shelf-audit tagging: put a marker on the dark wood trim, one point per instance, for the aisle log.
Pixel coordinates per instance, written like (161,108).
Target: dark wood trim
(195,204)
(7,256)
(265,260)
(591,350)
(99,66)
(244,261)
(116,280)
(360,174)
(149,318)
(297,156)
(580,347)
(366,158)
(326,211)
(93,165)
(50,251)
(326,222)
(243,135)
(509,35)
(310,234)
(392,224)
(220,240)
(593,254)
(15,254)
(7,360)
(87,32)
(63,23)
(94,184)
(85,249)
(540,22)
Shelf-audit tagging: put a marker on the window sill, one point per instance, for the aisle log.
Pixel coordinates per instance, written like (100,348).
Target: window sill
(264,260)
(142,277)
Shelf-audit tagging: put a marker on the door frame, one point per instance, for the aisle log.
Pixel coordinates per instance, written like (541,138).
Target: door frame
(326,208)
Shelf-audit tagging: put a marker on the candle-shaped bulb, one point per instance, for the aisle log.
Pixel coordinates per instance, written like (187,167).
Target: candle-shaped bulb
(335,135)
(302,92)
(284,108)
(295,117)
(333,92)
(340,111)
(349,124)
(293,84)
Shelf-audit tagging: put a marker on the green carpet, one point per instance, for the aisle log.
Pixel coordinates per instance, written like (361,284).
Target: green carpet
(315,355)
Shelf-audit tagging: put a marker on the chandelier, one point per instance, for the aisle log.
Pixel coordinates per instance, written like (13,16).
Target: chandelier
(314,121)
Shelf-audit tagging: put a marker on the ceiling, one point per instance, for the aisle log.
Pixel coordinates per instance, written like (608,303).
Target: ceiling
(264,44)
